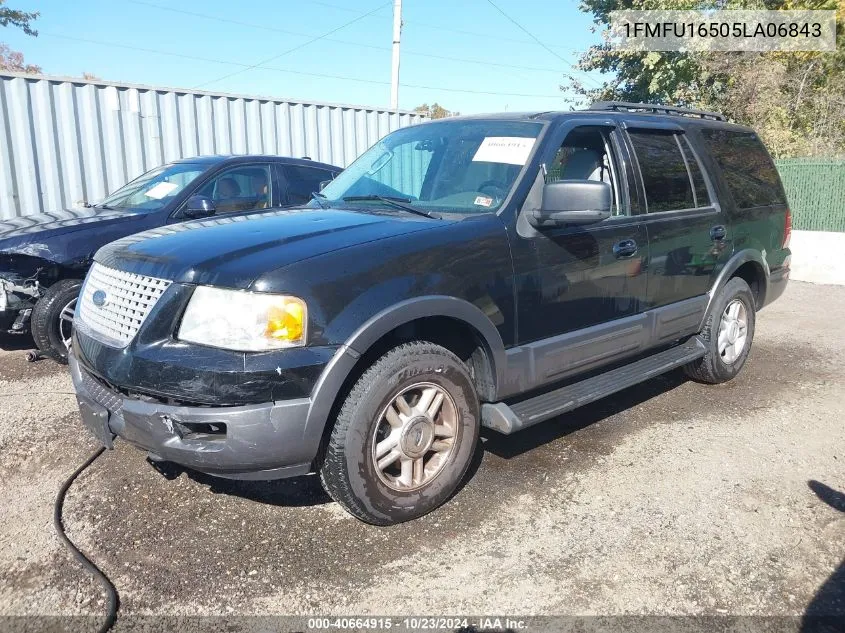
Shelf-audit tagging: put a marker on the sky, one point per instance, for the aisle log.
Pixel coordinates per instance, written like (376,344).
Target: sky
(463,54)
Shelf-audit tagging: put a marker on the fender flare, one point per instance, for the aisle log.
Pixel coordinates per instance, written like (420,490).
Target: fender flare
(738,259)
(431,306)
(342,363)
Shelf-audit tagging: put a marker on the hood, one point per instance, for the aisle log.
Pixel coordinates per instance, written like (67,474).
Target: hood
(233,251)
(29,234)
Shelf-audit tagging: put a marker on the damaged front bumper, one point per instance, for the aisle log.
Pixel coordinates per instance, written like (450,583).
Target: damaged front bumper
(16,303)
(256,441)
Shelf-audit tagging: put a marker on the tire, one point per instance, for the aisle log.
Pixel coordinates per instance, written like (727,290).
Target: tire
(715,367)
(47,323)
(368,418)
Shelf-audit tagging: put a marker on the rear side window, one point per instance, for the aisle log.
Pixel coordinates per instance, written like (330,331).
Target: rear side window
(667,181)
(746,167)
(303,181)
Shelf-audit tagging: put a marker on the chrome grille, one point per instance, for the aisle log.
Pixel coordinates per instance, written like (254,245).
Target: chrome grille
(128,299)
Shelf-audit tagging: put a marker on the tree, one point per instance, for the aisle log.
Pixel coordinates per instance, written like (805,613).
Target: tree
(20,19)
(435,111)
(793,99)
(13,60)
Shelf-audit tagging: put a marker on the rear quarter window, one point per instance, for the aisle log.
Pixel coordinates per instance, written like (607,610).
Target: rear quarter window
(746,166)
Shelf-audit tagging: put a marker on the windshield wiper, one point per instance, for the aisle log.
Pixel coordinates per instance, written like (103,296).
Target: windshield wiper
(320,198)
(103,206)
(395,201)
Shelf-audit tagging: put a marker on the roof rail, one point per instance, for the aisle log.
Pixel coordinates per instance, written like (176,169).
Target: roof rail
(655,108)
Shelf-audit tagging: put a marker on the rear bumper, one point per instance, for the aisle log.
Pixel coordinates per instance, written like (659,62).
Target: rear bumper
(257,441)
(778,280)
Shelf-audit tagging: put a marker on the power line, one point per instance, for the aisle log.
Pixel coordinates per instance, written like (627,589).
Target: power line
(295,48)
(289,70)
(345,42)
(438,27)
(536,39)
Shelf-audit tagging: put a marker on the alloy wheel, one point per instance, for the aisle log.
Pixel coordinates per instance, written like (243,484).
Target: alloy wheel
(733,331)
(66,323)
(415,436)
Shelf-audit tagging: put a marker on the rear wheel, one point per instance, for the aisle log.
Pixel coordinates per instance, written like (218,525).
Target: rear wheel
(404,437)
(52,318)
(727,334)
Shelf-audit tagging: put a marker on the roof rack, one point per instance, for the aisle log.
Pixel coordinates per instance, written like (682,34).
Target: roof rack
(655,108)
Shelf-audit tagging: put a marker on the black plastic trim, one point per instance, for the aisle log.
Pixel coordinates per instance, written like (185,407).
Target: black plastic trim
(539,363)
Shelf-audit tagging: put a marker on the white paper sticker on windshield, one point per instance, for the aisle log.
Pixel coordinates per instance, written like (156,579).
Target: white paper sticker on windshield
(161,190)
(510,150)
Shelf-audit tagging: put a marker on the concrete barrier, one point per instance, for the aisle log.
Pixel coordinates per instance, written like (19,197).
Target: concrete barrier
(818,257)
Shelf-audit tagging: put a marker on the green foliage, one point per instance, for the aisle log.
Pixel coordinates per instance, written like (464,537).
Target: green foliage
(21,19)
(435,111)
(795,100)
(13,60)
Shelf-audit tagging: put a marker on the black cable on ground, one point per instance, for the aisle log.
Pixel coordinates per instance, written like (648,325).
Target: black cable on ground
(111,592)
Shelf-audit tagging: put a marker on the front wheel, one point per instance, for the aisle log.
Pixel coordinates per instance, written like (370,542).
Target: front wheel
(404,437)
(52,319)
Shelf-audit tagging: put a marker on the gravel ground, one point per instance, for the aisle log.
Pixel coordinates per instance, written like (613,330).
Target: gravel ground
(670,498)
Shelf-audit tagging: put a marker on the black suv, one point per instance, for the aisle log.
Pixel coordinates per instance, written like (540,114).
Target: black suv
(488,271)
(43,258)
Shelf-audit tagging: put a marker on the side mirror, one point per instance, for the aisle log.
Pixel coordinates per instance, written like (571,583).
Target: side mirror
(323,184)
(199,207)
(572,202)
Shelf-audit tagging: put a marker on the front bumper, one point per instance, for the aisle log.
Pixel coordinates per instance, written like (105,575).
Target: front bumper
(256,441)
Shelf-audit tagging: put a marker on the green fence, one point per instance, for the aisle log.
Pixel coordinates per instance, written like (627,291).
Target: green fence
(815,189)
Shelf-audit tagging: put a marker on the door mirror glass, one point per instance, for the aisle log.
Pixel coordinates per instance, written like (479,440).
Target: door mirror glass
(573,202)
(199,207)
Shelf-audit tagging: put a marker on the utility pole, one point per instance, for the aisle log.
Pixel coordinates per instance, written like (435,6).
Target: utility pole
(397,36)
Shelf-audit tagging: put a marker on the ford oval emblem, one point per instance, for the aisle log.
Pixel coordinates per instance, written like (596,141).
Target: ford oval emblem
(99,298)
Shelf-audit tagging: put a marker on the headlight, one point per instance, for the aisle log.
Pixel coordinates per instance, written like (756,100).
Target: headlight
(243,321)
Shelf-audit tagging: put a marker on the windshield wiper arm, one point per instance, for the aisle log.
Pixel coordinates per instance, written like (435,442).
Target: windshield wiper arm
(395,201)
(320,198)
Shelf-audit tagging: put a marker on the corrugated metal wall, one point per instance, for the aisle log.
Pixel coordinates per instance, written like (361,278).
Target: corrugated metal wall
(64,141)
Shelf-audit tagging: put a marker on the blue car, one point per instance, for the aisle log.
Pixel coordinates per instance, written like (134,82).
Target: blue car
(45,257)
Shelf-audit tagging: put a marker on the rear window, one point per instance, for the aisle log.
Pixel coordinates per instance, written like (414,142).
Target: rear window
(746,167)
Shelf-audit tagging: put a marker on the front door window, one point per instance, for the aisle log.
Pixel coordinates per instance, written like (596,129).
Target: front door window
(244,188)
(586,155)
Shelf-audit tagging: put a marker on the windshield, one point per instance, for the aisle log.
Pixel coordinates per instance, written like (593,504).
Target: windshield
(459,166)
(155,189)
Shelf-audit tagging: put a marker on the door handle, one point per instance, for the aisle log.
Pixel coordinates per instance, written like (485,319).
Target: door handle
(718,232)
(625,248)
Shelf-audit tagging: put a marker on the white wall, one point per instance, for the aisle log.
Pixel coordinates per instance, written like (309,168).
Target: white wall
(818,257)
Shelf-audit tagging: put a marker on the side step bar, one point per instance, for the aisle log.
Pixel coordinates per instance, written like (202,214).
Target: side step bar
(509,419)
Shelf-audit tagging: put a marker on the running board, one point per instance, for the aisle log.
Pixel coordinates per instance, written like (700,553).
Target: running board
(509,419)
